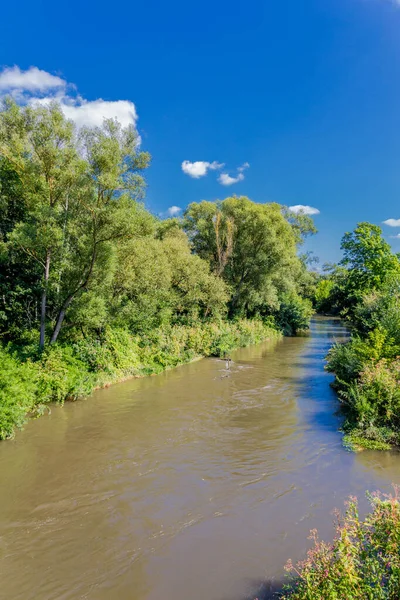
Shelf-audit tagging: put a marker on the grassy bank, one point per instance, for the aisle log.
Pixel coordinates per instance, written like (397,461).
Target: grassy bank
(362,562)
(367,380)
(28,382)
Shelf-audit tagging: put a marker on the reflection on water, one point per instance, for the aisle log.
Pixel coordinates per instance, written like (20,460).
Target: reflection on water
(198,483)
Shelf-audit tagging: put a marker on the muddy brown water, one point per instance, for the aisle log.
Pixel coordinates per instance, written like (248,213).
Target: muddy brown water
(196,484)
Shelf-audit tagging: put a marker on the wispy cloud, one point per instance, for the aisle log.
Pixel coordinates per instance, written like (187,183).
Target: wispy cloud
(200,168)
(174,211)
(245,165)
(226,179)
(304,209)
(395,237)
(35,86)
(392,222)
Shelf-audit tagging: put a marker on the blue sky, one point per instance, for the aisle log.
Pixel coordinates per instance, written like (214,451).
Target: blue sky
(305,93)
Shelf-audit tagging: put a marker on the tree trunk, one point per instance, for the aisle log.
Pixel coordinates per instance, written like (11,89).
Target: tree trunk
(69,299)
(60,319)
(43,302)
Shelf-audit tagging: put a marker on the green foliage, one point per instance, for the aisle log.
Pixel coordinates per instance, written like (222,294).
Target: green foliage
(366,289)
(373,400)
(162,282)
(380,310)
(362,563)
(80,196)
(294,314)
(17,392)
(371,439)
(254,248)
(368,372)
(323,294)
(302,224)
(69,372)
(62,376)
(107,289)
(26,385)
(369,262)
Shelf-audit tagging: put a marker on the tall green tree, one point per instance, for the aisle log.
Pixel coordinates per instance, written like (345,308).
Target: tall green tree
(369,262)
(38,143)
(108,213)
(81,192)
(252,245)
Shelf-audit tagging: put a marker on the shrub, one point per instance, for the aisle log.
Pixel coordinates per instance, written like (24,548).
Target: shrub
(18,383)
(62,376)
(363,561)
(368,387)
(348,360)
(294,314)
(70,372)
(323,295)
(374,400)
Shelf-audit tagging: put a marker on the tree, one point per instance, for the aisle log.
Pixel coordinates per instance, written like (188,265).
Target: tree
(302,224)
(252,245)
(19,273)
(38,143)
(369,261)
(109,212)
(161,281)
(81,192)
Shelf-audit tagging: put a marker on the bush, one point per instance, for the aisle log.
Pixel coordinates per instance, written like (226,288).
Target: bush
(362,563)
(18,383)
(368,387)
(70,372)
(294,314)
(347,360)
(62,376)
(374,399)
(323,296)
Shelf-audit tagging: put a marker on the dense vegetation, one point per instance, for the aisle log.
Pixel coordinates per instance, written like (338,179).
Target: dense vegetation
(362,563)
(365,289)
(94,288)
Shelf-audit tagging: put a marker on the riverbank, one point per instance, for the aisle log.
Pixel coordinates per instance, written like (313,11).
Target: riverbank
(28,383)
(367,378)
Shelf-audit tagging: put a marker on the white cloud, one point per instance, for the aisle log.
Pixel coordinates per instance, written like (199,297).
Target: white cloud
(35,86)
(392,222)
(32,80)
(226,179)
(306,210)
(173,211)
(91,114)
(199,168)
(395,237)
(246,165)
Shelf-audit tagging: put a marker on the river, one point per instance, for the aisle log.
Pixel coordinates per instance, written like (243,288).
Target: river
(197,484)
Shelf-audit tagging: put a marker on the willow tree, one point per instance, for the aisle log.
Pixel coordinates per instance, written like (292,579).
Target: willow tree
(81,191)
(258,246)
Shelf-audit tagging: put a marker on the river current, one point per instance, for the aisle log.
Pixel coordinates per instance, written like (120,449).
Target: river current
(197,484)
